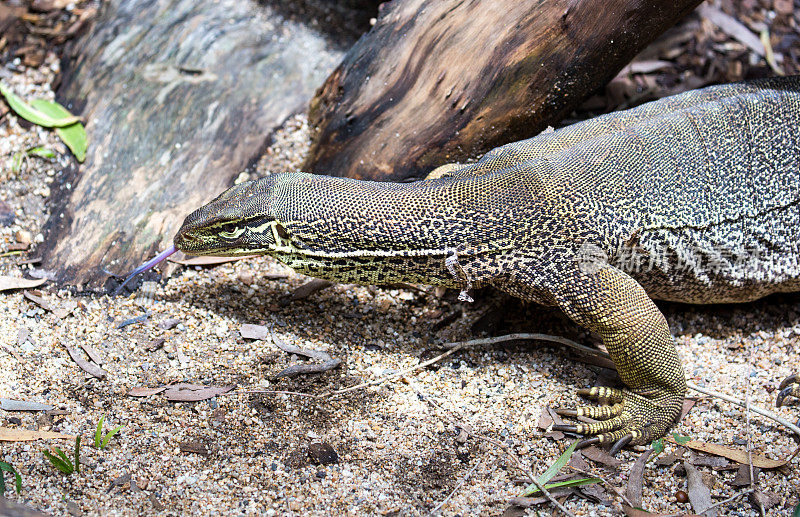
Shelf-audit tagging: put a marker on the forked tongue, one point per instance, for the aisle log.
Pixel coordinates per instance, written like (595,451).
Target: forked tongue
(147,265)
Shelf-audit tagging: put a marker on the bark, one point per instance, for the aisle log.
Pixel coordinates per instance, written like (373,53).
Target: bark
(438,81)
(9,508)
(178,97)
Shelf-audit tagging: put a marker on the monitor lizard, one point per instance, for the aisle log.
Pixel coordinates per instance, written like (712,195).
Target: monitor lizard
(692,198)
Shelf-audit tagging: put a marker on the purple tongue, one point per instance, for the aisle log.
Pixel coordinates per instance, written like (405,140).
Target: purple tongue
(147,265)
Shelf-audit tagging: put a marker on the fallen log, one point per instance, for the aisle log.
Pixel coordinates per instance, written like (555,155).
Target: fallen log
(441,81)
(178,98)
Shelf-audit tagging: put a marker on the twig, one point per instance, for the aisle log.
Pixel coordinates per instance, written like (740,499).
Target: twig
(747,421)
(456,348)
(528,337)
(467,429)
(605,482)
(268,392)
(728,500)
(755,409)
(439,506)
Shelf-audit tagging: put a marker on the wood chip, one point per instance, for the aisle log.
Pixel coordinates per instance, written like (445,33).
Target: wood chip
(24,435)
(737,455)
(23,405)
(250,331)
(87,366)
(11,282)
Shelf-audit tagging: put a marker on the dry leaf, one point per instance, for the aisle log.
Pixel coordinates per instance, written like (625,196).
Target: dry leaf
(743,476)
(635,512)
(12,282)
(600,456)
(145,392)
(86,366)
(739,456)
(194,448)
(24,435)
(183,392)
(636,478)
(93,354)
(208,261)
(715,462)
(250,331)
(309,288)
(732,27)
(688,404)
(699,493)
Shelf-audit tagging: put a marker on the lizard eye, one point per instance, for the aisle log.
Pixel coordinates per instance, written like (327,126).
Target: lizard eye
(230,231)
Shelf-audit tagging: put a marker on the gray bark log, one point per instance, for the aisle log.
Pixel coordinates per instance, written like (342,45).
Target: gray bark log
(178,97)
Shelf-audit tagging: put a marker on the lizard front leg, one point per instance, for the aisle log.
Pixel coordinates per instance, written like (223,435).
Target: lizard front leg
(639,342)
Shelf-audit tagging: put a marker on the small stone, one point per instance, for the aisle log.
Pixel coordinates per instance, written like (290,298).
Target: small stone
(322,453)
(23,237)
(221,330)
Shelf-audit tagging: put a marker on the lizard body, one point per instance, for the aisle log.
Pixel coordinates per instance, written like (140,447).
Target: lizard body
(692,198)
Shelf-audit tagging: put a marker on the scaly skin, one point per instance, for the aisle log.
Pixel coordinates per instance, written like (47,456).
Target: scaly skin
(693,198)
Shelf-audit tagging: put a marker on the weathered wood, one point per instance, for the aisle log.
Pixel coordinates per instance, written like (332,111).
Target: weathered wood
(438,81)
(9,508)
(179,97)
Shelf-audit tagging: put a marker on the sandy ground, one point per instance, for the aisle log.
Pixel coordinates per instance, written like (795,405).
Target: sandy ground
(399,447)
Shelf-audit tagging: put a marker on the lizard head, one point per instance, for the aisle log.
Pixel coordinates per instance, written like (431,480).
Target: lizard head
(238,222)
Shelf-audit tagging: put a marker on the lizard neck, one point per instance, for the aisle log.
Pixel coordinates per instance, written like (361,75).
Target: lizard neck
(438,232)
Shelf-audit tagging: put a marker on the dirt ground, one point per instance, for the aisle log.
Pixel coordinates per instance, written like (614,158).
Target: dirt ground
(458,437)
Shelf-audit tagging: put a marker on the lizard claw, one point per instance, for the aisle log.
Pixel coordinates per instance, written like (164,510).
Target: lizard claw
(622,417)
(790,387)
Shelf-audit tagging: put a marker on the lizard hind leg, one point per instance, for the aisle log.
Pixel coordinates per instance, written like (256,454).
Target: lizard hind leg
(639,342)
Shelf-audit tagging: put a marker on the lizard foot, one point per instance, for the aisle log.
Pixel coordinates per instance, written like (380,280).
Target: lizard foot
(623,416)
(790,387)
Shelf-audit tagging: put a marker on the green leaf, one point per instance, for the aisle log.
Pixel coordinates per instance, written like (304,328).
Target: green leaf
(110,435)
(16,163)
(33,114)
(65,467)
(568,483)
(78,453)
(74,135)
(657,446)
(796,511)
(553,469)
(41,152)
(8,467)
(98,433)
(680,440)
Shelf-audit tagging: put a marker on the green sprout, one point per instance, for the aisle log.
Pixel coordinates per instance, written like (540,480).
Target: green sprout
(553,470)
(100,441)
(62,462)
(8,467)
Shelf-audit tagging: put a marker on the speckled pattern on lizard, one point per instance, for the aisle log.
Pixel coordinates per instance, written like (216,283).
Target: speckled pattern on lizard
(692,198)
